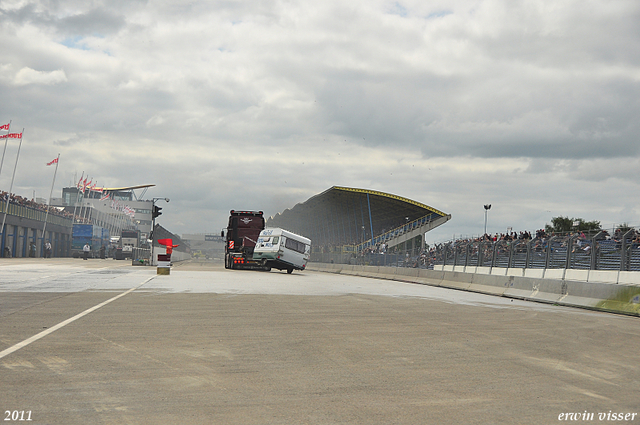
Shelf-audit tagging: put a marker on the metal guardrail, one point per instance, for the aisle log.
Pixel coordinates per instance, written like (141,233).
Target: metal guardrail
(141,256)
(569,252)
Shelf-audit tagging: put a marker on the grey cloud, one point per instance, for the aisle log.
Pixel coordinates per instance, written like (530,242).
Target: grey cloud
(96,21)
(99,21)
(576,119)
(261,104)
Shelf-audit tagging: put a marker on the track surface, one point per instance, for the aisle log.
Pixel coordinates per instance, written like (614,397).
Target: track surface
(205,345)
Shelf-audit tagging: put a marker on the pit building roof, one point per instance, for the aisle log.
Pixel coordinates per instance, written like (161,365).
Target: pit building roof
(348,216)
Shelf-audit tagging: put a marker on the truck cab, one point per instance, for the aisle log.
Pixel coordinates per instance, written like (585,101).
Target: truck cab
(240,239)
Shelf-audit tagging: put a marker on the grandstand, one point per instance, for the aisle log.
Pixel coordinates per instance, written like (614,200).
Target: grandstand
(563,251)
(357,219)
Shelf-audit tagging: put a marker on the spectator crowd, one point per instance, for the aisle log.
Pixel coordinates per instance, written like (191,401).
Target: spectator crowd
(30,203)
(426,258)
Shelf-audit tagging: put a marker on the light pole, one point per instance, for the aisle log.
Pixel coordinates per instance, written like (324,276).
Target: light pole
(155,212)
(487,207)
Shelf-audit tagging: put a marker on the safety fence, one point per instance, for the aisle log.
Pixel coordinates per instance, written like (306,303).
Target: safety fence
(141,256)
(406,258)
(557,252)
(568,252)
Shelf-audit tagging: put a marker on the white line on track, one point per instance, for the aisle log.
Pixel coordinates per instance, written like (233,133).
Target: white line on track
(52,329)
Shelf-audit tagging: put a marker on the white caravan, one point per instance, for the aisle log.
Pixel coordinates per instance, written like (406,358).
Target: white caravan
(281,249)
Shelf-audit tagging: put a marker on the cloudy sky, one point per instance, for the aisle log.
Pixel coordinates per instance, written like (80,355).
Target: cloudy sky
(531,106)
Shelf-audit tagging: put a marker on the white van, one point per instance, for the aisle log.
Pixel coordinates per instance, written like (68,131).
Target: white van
(281,249)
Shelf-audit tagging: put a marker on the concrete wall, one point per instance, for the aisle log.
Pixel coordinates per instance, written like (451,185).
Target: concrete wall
(606,291)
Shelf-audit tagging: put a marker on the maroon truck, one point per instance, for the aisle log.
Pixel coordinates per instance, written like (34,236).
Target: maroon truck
(240,238)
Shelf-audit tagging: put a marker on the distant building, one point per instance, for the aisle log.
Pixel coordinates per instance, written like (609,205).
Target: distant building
(208,245)
(359,219)
(25,233)
(112,208)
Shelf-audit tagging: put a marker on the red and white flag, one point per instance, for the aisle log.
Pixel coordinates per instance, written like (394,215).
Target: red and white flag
(11,136)
(55,161)
(105,196)
(4,127)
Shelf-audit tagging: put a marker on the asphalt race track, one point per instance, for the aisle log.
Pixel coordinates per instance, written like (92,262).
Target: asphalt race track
(104,342)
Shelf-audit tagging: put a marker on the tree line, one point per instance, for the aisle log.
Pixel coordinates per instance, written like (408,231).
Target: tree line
(566,224)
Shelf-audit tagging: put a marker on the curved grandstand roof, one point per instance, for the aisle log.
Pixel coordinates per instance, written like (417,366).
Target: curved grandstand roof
(349,216)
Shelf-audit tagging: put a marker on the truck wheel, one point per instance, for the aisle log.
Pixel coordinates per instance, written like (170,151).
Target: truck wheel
(289,271)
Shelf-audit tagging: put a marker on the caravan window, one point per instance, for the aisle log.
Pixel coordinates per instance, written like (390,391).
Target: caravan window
(275,240)
(294,245)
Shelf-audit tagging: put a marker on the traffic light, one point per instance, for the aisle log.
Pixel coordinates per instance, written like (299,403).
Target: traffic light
(156,212)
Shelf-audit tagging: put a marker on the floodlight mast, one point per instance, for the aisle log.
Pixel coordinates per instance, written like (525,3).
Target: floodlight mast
(487,207)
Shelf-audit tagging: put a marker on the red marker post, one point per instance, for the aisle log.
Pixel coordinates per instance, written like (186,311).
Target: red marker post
(164,261)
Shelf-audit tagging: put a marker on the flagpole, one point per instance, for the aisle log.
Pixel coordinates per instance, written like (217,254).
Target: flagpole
(120,220)
(75,206)
(6,140)
(87,210)
(112,217)
(98,215)
(92,207)
(46,216)
(5,146)
(93,220)
(82,202)
(84,205)
(4,219)
(84,187)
